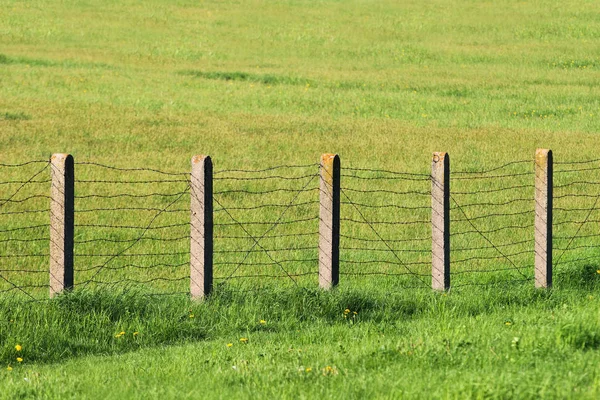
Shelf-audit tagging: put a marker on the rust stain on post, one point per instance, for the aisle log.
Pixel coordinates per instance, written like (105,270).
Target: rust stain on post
(62,220)
(201,229)
(440,221)
(329,222)
(543,217)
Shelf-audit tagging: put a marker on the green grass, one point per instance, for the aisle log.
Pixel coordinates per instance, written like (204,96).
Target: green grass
(255,84)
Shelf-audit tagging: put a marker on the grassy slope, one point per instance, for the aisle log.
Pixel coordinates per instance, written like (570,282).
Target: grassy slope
(383,84)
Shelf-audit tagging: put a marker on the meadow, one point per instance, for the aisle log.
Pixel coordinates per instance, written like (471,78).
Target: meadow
(258,85)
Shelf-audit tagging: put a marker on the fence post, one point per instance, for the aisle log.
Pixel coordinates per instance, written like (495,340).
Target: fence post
(62,220)
(440,221)
(201,247)
(329,221)
(543,218)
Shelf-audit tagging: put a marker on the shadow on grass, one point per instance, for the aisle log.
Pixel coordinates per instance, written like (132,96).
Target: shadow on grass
(101,322)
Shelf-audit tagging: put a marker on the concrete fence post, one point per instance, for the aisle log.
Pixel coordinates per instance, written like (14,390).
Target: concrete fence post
(62,220)
(440,221)
(543,218)
(201,247)
(329,221)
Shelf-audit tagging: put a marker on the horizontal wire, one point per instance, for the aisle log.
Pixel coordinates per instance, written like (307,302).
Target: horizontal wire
(131,227)
(112,196)
(237,223)
(35,196)
(387,172)
(267,263)
(403,178)
(33,271)
(129,280)
(573,209)
(86,210)
(131,169)
(492,169)
(471,271)
(261,250)
(492,204)
(22,228)
(387,240)
(387,206)
(580,259)
(131,182)
(265,169)
(24,182)
(494,230)
(368,273)
(574,222)
(176,253)
(498,283)
(576,247)
(24,255)
(562,196)
(245,191)
(24,212)
(386,262)
(576,162)
(494,215)
(573,183)
(114,268)
(386,250)
(492,176)
(479,258)
(268,237)
(269,206)
(95,240)
(21,287)
(260,178)
(24,240)
(386,222)
(492,247)
(25,163)
(575,237)
(267,276)
(415,192)
(496,190)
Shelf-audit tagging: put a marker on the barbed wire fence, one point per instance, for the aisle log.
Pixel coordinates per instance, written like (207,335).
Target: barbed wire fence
(294,226)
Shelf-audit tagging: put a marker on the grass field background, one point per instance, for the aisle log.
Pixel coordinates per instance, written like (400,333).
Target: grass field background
(255,85)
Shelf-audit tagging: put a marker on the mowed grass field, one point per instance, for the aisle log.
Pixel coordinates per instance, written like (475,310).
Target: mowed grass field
(263,84)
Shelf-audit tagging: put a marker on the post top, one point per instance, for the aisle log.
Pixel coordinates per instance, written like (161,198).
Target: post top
(58,157)
(328,157)
(440,156)
(200,158)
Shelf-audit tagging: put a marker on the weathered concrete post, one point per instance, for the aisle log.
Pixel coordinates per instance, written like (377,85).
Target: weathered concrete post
(440,221)
(201,247)
(62,220)
(329,221)
(543,218)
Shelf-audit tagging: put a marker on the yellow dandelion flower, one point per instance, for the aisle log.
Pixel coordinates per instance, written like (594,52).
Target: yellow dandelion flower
(262,322)
(19,359)
(135,333)
(354,312)
(9,368)
(229,344)
(598,271)
(192,315)
(244,340)
(18,347)
(508,323)
(308,370)
(347,311)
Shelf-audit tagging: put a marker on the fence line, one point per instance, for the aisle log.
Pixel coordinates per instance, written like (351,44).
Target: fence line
(363,224)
